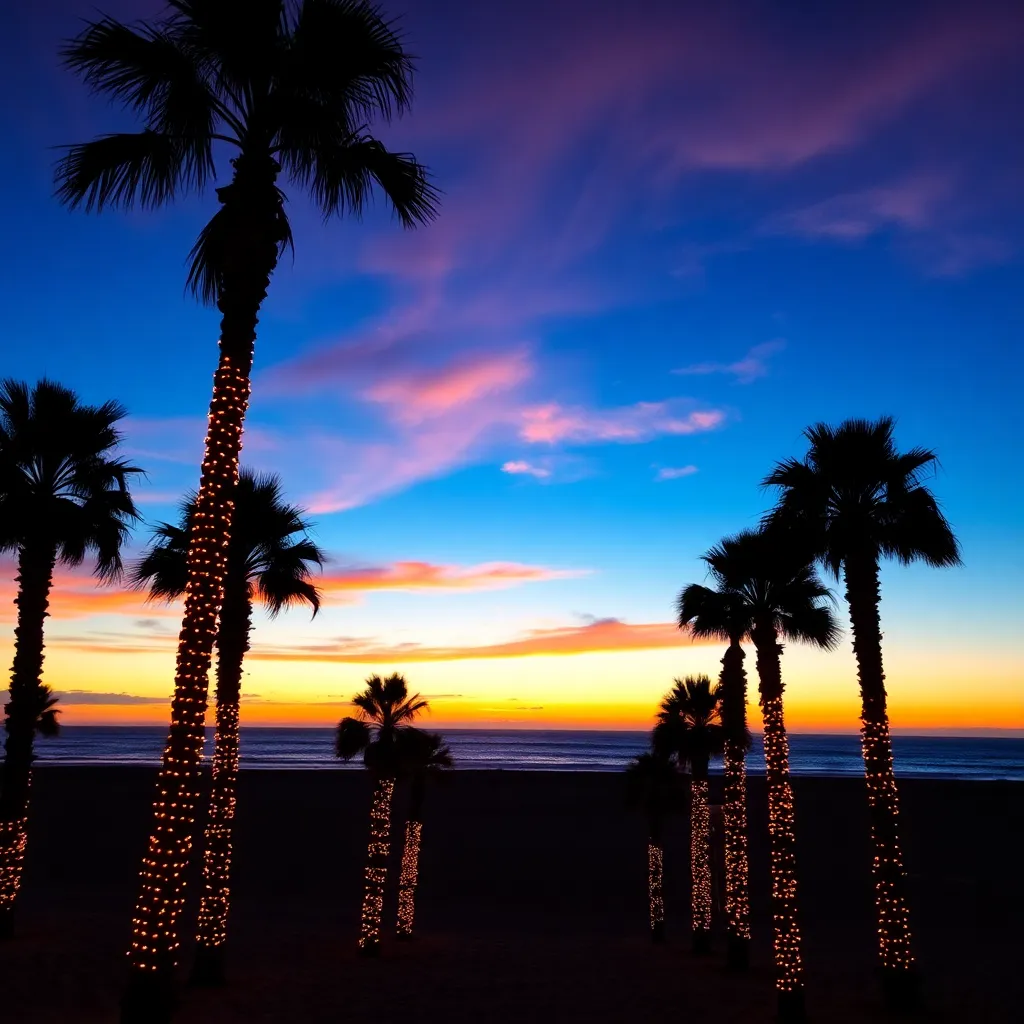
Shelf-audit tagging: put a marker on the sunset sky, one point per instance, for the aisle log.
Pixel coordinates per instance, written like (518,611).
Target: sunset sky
(672,235)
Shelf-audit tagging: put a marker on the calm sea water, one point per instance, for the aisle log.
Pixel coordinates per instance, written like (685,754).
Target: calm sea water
(920,756)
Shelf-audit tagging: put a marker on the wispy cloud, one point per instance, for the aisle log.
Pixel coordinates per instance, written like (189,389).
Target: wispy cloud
(553,423)
(519,467)
(675,472)
(746,370)
(91,697)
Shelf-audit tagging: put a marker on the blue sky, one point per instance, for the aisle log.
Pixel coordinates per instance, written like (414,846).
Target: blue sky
(669,240)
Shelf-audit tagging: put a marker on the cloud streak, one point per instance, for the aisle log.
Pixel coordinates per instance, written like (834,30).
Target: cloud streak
(746,370)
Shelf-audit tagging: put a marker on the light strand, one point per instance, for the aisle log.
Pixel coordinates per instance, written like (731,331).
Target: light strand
(376,866)
(408,877)
(655,887)
(700,859)
(737,871)
(13,842)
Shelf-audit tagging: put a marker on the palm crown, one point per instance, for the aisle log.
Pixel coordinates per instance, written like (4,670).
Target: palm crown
(385,709)
(268,549)
(856,493)
(287,85)
(775,582)
(58,480)
(689,721)
(713,614)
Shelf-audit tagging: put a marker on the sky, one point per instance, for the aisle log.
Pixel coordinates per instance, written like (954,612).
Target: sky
(671,236)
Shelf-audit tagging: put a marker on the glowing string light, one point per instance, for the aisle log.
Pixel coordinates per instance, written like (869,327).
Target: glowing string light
(700,862)
(737,871)
(13,841)
(408,877)
(376,866)
(655,888)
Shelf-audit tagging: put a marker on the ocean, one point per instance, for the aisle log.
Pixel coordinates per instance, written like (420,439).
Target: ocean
(943,757)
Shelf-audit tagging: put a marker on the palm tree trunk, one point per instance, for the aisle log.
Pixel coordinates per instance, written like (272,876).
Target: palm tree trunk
(409,874)
(36,560)
(376,866)
(895,956)
(737,884)
(253,235)
(656,879)
(232,645)
(700,859)
(781,830)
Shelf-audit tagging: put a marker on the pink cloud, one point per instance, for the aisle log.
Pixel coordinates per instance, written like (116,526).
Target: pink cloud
(746,370)
(675,472)
(553,423)
(519,467)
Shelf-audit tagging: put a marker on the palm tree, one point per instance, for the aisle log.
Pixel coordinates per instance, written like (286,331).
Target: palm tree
(269,560)
(652,785)
(63,496)
(290,86)
(859,499)
(689,725)
(424,756)
(773,579)
(713,614)
(385,711)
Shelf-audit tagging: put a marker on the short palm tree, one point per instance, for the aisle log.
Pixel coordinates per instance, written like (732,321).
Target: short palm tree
(859,499)
(653,786)
(270,560)
(385,711)
(713,614)
(689,725)
(424,756)
(289,87)
(63,495)
(773,578)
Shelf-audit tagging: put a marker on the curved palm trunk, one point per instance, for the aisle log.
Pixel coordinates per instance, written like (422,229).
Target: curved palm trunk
(409,874)
(36,560)
(376,875)
(734,812)
(251,227)
(656,879)
(700,858)
(232,645)
(895,956)
(781,830)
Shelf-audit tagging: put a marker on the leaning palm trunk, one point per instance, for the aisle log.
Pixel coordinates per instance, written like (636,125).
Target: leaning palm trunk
(895,957)
(656,879)
(376,866)
(781,830)
(232,645)
(700,859)
(249,237)
(410,871)
(35,577)
(737,885)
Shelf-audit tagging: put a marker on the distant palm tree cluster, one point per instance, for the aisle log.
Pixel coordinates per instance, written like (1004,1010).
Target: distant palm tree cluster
(853,500)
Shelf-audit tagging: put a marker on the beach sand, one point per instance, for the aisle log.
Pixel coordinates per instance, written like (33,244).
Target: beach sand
(532,905)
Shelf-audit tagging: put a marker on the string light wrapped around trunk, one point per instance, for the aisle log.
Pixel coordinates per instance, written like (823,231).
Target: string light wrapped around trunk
(13,842)
(407,879)
(155,926)
(737,870)
(376,867)
(782,831)
(700,865)
(655,889)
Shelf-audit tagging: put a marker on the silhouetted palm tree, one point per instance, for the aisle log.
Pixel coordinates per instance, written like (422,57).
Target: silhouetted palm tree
(689,725)
(290,86)
(269,560)
(713,614)
(423,756)
(63,496)
(858,499)
(773,578)
(652,785)
(385,711)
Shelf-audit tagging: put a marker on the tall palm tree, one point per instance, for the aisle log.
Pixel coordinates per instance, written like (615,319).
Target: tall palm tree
(424,756)
(716,615)
(859,499)
(269,560)
(63,495)
(652,785)
(385,711)
(689,725)
(290,87)
(773,578)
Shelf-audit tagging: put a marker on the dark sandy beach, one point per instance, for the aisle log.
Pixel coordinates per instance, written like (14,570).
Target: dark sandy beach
(532,905)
